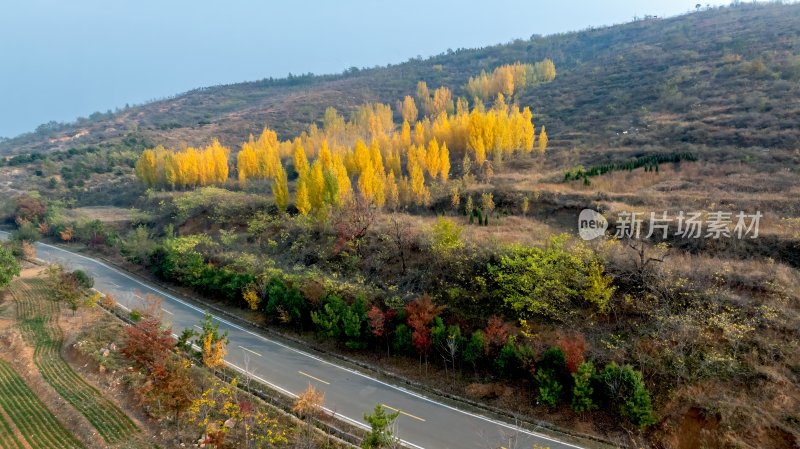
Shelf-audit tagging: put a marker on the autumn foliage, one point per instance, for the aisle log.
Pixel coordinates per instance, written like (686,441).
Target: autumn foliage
(191,167)
(369,156)
(496,334)
(167,386)
(510,78)
(147,343)
(574,348)
(420,313)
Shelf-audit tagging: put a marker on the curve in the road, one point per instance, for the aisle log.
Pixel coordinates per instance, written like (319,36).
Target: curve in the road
(443,427)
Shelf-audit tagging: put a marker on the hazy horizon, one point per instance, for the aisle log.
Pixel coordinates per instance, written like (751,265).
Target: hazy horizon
(88,56)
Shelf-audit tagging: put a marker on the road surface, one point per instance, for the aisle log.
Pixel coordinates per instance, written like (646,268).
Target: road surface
(423,422)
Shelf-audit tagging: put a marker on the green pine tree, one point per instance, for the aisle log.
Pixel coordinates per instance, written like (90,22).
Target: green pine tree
(380,435)
(582,390)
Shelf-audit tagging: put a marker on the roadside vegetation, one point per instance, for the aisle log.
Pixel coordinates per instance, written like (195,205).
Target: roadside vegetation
(427,224)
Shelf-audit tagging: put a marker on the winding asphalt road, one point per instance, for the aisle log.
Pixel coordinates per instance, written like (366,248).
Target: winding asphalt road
(423,422)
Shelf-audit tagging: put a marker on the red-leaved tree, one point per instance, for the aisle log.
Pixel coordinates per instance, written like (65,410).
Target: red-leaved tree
(495,334)
(377,321)
(147,343)
(419,315)
(168,386)
(377,325)
(574,348)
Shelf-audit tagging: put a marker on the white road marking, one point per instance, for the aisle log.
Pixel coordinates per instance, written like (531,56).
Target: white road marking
(251,351)
(354,372)
(314,378)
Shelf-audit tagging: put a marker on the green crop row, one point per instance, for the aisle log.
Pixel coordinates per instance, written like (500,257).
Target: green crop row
(36,315)
(36,423)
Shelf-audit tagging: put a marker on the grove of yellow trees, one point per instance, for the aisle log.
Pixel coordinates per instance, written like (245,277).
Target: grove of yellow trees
(259,159)
(334,162)
(510,78)
(191,167)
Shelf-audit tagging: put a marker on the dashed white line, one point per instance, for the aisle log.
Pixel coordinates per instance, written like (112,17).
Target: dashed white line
(354,372)
(314,378)
(251,351)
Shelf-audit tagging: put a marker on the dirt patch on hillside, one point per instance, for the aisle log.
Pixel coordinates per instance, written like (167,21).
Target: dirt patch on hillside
(105,214)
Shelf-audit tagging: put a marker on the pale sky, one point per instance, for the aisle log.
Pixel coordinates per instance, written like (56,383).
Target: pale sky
(65,59)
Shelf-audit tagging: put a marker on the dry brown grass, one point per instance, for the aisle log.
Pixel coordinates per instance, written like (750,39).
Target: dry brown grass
(105,214)
(701,186)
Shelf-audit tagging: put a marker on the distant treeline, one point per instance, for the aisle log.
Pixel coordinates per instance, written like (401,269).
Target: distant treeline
(650,163)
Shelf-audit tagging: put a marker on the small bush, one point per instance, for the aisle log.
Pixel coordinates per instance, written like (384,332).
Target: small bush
(508,361)
(624,390)
(549,388)
(84,280)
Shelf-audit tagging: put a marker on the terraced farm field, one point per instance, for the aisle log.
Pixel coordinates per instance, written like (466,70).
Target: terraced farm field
(38,426)
(36,314)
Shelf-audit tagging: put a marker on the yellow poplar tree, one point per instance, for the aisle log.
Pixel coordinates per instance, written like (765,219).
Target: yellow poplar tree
(170,170)
(302,201)
(409,112)
(247,162)
(316,185)
(379,183)
(220,155)
(475,140)
(542,141)
(361,153)
(366,185)
(325,156)
(444,163)
(504,79)
(528,131)
(405,134)
(442,102)
(146,168)
(432,158)
(549,69)
(267,154)
(418,189)
(375,157)
(423,96)
(280,189)
(419,133)
(300,158)
(345,190)
(205,169)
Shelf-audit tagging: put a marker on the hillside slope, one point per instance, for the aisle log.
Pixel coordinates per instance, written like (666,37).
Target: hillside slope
(727,76)
(692,116)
